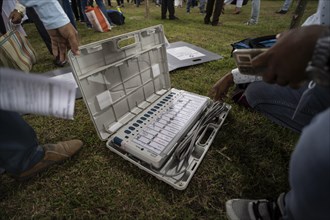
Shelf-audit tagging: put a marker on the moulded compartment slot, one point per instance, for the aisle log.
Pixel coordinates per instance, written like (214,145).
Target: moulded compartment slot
(198,152)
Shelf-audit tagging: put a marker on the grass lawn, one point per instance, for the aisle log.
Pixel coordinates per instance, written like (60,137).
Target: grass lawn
(99,184)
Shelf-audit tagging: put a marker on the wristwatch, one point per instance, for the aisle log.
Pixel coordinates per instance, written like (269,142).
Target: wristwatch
(318,68)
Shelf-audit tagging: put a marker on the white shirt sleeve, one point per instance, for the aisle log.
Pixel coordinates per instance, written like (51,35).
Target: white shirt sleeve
(240,78)
(50,12)
(20,7)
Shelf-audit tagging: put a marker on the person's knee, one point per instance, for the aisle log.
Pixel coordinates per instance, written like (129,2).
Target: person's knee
(255,93)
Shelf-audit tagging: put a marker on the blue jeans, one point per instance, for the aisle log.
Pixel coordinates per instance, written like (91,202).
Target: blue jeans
(68,10)
(309,172)
(286,5)
(19,149)
(190,3)
(201,7)
(279,103)
(101,6)
(255,10)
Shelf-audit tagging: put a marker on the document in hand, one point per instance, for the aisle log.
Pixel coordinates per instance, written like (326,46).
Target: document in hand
(36,94)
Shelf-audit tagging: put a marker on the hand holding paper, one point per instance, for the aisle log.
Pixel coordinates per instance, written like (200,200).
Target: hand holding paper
(32,93)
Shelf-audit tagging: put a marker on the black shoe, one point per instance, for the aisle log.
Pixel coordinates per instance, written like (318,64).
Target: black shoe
(207,21)
(216,23)
(281,12)
(174,18)
(163,18)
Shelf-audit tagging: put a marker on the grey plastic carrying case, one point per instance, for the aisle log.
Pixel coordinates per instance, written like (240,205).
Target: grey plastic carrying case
(120,78)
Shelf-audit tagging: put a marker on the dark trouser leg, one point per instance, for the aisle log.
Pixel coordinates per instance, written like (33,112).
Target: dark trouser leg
(74,7)
(84,4)
(217,11)
(19,148)
(33,16)
(209,11)
(164,8)
(171,10)
(81,12)
(68,10)
(2,24)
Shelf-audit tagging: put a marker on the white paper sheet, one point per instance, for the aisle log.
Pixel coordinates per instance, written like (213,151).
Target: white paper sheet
(36,94)
(66,77)
(184,53)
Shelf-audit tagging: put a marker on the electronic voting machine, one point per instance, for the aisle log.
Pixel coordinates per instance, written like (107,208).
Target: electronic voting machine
(125,84)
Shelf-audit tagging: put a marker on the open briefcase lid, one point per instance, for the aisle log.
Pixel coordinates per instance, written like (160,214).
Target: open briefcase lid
(120,76)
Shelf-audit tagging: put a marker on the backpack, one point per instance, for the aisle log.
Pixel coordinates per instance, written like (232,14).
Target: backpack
(259,42)
(116,17)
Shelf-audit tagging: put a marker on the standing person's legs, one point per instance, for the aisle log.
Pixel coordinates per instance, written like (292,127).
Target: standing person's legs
(171,10)
(83,7)
(255,10)
(2,24)
(238,7)
(81,12)
(68,10)
(217,12)
(209,11)
(309,173)
(75,9)
(239,3)
(19,148)
(164,8)
(189,4)
(202,6)
(138,2)
(286,5)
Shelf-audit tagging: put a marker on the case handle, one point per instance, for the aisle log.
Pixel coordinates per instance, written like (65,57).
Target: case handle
(127,42)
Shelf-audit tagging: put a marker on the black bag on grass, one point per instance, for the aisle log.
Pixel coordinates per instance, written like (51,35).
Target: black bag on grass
(116,17)
(259,42)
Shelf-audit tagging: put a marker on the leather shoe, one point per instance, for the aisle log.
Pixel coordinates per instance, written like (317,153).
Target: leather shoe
(54,153)
(237,11)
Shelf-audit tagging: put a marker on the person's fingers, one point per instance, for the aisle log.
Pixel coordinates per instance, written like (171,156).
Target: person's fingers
(55,49)
(74,44)
(54,42)
(69,33)
(269,76)
(62,50)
